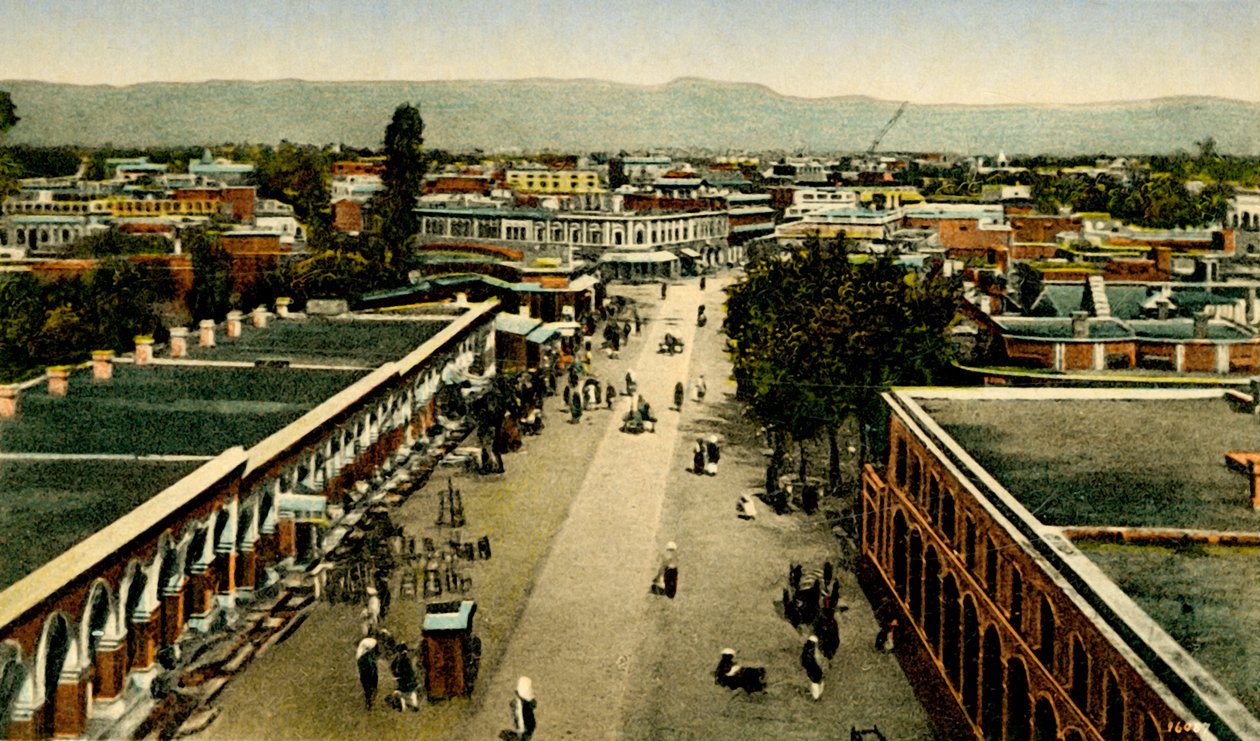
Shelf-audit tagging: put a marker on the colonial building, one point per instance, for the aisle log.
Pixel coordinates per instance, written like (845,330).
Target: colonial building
(612,236)
(1070,564)
(207,482)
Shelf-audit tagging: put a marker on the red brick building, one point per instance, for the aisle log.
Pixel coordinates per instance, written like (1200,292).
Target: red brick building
(1004,566)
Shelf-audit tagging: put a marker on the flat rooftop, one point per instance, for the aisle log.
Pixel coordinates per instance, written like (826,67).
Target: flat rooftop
(71,465)
(1203,596)
(320,341)
(1159,461)
(47,506)
(166,410)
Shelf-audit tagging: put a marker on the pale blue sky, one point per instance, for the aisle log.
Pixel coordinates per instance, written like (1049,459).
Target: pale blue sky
(956,51)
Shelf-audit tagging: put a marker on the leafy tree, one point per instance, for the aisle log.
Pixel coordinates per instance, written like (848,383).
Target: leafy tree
(8,167)
(299,176)
(404,181)
(815,337)
(212,280)
(114,243)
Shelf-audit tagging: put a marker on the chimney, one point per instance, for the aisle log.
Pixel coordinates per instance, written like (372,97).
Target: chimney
(102,365)
(8,401)
(1080,325)
(524,310)
(1201,320)
(282,306)
(58,380)
(461,299)
(144,349)
(259,316)
(179,342)
(234,323)
(207,332)
(1163,306)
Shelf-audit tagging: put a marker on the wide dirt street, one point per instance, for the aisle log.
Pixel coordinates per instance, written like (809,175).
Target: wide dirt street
(578,524)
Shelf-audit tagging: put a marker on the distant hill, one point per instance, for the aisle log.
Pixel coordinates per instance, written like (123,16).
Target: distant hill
(590,115)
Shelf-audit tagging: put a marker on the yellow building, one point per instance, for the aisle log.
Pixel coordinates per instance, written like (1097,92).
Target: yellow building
(555,181)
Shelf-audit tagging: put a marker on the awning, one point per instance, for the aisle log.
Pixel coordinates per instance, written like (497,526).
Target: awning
(640,257)
(304,506)
(688,252)
(515,324)
(583,282)
(542,334)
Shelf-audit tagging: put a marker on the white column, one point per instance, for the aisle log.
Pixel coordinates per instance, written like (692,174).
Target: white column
(1099,356)
(1179,358)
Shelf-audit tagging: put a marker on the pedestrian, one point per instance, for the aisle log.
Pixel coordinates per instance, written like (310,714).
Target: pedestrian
(372,613)
(702,283)
(575,407)
(610,393)
(664,288)
(587,359)
(631,385)
(697,457)
(383,592)
(679,393)
(812,662)
(699,389)
(404,672)
(625,332)
(666,582)
(711,454)
(884,641)
(524,712)
(365,658)
(637,321)
(828,632)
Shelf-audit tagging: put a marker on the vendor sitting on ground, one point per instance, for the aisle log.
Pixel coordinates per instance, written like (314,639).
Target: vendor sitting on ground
(639,418)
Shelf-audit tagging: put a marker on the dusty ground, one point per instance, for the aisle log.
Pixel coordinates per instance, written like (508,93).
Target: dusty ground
(577,524)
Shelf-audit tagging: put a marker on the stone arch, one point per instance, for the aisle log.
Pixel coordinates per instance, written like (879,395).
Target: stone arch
(970,658)
(952,630)
(1073,735)
(912,486)
(1079,687)
(1046,633)
(99,622)
(899,469)
(56,652)
(932,599)
(15,684)
(994,685)
(1018,701)
(1113,707)
(899,553)
(1045,721)
(915,587)
(948,513)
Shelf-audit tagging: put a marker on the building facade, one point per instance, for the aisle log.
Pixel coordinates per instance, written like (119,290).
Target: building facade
(1024,635)
(80,634)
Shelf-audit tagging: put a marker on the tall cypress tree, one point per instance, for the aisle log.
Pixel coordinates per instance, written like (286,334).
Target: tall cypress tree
(404,180)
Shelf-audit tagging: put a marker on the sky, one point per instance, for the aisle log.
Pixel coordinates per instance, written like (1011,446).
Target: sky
(944,51)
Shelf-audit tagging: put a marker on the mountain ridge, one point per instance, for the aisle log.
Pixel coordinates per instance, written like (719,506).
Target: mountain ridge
(588,114)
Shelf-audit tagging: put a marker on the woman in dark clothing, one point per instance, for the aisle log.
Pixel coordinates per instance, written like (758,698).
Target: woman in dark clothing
(365,657)
(405,675)
(679,393)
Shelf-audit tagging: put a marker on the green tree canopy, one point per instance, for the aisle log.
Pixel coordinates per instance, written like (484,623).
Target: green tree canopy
(404,182)
(817,334)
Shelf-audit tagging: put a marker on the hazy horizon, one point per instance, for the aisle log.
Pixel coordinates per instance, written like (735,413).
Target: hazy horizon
(598,81)
(956,52)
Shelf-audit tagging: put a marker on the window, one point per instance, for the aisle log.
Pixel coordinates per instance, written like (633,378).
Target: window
(990,565)
(913,488)
(947,516)
(934,499)
(1017,600)
(900,471)
(1080,675)
(969,544)
(1045,638)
